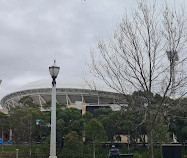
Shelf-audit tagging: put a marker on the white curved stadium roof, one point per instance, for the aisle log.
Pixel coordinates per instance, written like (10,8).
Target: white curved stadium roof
(46,83)
(61,83)
(67,92)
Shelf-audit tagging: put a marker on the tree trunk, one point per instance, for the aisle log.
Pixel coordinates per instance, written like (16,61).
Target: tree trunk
(128,141)
(30,152)
(93,150)
(60,142)
(30,143)
(150,143)
(2,138)
(143,140)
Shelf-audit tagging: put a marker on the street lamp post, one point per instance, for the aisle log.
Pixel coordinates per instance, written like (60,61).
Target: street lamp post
(54,70)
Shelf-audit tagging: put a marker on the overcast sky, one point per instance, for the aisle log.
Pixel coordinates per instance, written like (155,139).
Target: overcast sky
(34,33)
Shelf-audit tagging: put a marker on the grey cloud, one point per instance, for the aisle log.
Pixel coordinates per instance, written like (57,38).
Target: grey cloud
(34,33)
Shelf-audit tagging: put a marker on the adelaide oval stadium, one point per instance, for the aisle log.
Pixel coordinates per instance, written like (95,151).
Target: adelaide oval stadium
(72,94)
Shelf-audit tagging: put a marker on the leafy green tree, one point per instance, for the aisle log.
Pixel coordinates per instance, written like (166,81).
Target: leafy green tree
(102,112)
(184,134)
(138,109)
(4,126)
(43,129)
(95,133)
(46,144)
(178,123)
(87,117)
(72,144)
(60,131)
(47,105)
(23,123)
(28,102)
(109,120)
(117,122)
(111,124)
(160,131)
(68,119)
(71,119)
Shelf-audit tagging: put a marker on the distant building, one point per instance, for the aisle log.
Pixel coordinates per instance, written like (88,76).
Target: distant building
(5,111)
(73,95)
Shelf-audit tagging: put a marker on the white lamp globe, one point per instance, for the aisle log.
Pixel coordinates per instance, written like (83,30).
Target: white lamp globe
(54,70)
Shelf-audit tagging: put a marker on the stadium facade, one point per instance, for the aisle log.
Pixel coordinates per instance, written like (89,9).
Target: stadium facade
(74,95)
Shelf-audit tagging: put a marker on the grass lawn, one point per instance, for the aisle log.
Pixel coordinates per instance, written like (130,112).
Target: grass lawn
(38,151)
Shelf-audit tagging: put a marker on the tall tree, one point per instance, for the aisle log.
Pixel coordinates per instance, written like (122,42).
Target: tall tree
(72,144)
(94,133)
(178,123)
(27,101)
(70,120)
(4,126)
(135,59)
(23,123)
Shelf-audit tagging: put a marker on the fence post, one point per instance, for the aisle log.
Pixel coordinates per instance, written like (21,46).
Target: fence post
(17,153)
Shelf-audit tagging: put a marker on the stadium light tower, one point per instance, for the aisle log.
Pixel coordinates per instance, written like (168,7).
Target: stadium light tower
(173,58)
(54,70)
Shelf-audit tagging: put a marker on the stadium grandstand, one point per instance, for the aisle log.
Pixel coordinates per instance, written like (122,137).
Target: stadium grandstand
(74,95)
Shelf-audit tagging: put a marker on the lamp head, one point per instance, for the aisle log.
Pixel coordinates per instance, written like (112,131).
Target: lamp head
(54,70)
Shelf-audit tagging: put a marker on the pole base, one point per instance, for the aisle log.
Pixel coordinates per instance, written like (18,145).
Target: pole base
(52,156)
